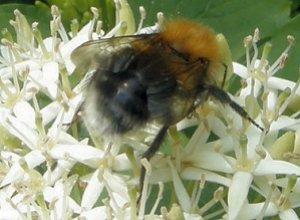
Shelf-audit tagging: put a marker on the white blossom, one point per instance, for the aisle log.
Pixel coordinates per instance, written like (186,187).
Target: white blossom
(45,158)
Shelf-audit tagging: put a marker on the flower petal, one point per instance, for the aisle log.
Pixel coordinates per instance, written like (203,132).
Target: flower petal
(253,137)
(252,211)
(10,214)
(181,193)
(82,153)
(285,122)
(94,214)
(288,214)
(25,113)
(281,84)
(116,184)
(6,72)
(199,138)
(240,70)
(211,161)
(121,163)
(267,167)
(22,131)
(217,126)
(238,192)
(34,158)
(60,169)
(92,191)
(191,173)
(50,112)
(14,174)
(50,77)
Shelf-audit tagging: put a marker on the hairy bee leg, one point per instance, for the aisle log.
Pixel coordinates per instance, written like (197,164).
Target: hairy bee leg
(154,147)
(222,96)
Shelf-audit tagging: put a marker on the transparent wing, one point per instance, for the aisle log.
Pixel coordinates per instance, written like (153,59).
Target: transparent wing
(88,55)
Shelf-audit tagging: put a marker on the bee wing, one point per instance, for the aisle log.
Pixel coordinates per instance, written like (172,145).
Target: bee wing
(88,55)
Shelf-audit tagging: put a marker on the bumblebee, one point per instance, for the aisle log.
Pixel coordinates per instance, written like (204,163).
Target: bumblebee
(160,77)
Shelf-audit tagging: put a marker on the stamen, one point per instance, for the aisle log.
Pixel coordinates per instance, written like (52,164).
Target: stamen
(131,157)
(254,45)
(4,87)
(292,180)
(265,116)
(55,11)
(217,195)
(115,30)
(61,30)
(66,85)
(38,36)
(93,22)
(99,30)
(164,212)
(243,148)
(7,35)
(264,57)
(24,34)
(143,17)
(132,192)
(15,26)
(53,30)
(199,186)
(118,8)
(195,190)
(267,202)
(260,151)
(214,215)
(160,20)
(12,64)
(290,97)
(74,27)
(38,117)
(279,63)
(144,192)
(247,42)
(109,211)
(158,198)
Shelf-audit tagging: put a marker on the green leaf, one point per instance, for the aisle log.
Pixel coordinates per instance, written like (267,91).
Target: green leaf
(291,70)
(17,1)
(32,14)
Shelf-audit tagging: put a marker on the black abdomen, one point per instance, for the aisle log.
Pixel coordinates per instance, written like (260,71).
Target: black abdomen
(122,99)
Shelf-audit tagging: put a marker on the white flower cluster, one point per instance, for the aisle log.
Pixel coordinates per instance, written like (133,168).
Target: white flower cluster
(43,158)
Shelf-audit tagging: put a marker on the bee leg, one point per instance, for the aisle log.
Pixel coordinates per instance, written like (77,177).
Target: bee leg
(223,97)
(154,147)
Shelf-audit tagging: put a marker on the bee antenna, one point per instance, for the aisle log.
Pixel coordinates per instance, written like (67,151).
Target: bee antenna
(222,96)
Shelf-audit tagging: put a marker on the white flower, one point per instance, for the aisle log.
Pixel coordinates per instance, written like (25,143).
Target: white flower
(45,159)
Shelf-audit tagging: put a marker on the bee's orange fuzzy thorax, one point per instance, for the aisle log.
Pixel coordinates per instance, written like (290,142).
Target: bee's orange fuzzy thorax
(193,39)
